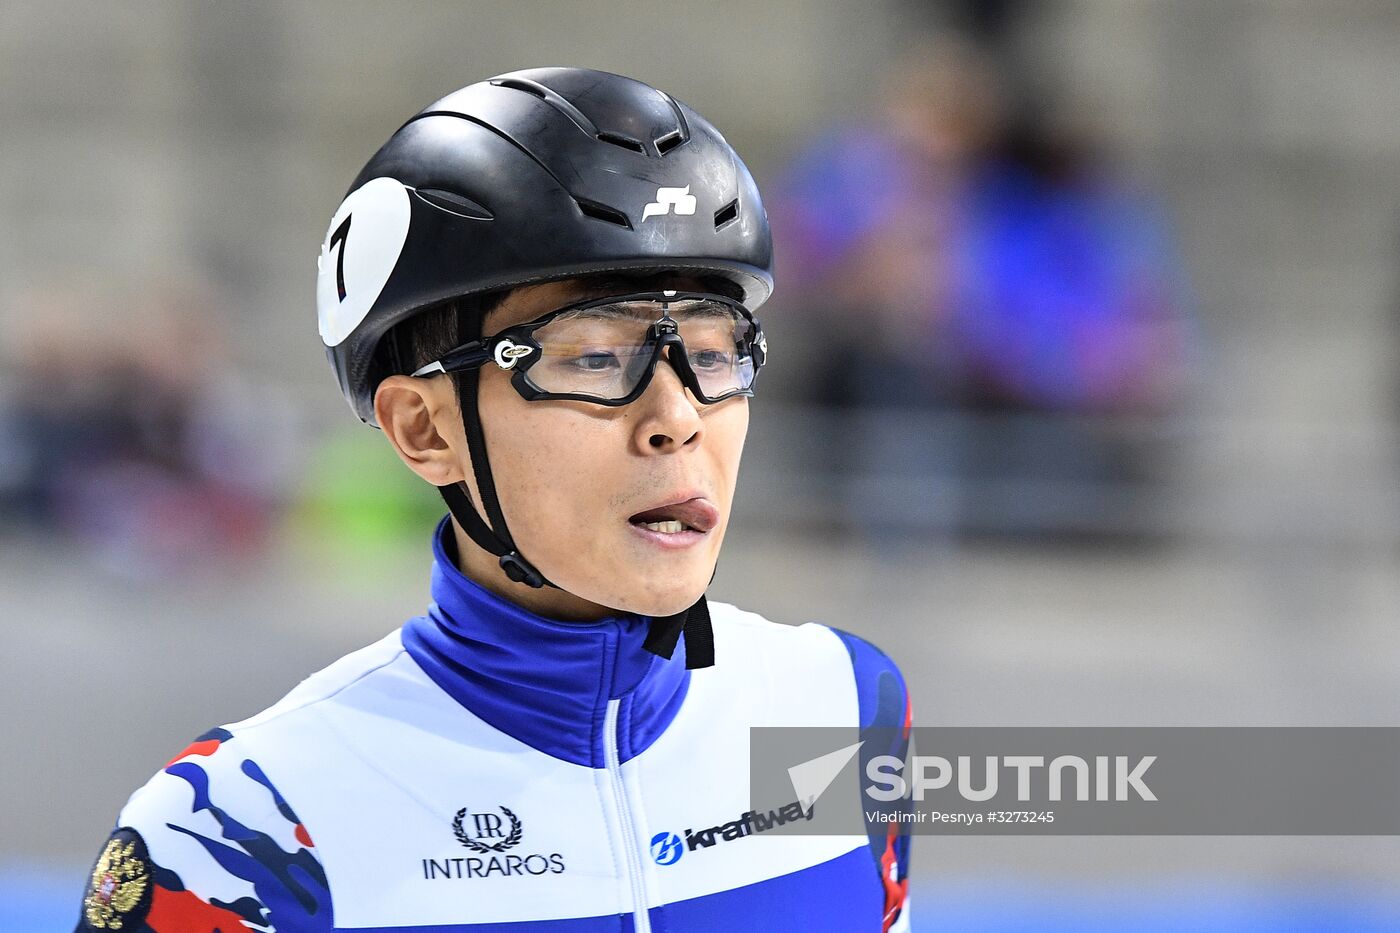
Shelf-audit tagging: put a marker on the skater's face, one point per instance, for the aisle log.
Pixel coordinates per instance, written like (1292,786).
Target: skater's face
(580,483)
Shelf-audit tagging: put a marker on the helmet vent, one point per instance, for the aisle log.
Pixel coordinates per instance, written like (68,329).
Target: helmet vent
(515,84)
(535,89)
(727,214)
(668,142)
(626,142)
(684,130)
(454,203)
(602,212)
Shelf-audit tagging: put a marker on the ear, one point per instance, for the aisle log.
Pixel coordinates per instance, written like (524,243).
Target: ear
(420,419)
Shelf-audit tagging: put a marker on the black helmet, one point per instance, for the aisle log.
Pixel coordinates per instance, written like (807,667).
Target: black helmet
(531,176)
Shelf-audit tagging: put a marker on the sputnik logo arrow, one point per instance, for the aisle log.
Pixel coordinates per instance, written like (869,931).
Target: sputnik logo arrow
(811,778)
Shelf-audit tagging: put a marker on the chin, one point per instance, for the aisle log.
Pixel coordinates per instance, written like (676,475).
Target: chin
(673,599)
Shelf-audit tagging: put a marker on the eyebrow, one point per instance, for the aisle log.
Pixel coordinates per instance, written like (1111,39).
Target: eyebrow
(607,312)
(689,309)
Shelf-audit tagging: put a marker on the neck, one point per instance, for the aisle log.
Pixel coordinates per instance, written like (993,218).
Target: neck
(546,682)
(551,602)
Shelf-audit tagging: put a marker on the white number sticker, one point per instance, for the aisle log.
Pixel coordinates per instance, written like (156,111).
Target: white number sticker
(362,246)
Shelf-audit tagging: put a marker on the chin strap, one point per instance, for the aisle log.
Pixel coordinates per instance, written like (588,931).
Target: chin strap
(699,635)
(495,539)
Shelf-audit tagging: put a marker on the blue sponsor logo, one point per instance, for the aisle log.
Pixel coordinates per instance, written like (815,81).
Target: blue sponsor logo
(666,848)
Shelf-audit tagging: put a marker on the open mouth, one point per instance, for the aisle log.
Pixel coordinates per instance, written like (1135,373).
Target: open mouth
(694,515)
(666,527)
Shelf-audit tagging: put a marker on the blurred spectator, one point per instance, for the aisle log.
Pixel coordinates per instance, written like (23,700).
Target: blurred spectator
(962,257)
(126,428)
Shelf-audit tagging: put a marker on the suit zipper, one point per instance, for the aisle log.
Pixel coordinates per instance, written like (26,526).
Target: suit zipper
(640,916)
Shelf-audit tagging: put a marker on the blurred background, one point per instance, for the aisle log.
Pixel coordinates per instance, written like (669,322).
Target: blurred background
(1082,402)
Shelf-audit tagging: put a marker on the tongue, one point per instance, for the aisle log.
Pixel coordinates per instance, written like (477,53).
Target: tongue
(697,514)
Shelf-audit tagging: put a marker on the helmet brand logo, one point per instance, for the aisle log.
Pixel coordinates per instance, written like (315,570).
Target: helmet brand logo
(666,198)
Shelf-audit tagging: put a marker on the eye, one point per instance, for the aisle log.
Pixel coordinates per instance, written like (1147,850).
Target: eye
(595,361)
(711,359)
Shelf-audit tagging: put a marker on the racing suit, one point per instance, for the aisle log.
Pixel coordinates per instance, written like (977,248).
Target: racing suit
(485,769)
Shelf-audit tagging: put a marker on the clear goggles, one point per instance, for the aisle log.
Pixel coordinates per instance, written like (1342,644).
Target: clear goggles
(606,350)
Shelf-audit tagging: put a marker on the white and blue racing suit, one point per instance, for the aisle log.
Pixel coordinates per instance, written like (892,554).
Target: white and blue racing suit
(484,769)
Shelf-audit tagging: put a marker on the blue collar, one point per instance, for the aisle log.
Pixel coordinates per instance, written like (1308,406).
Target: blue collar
(542,681)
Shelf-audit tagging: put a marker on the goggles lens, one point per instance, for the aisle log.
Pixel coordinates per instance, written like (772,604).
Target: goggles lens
(605,351)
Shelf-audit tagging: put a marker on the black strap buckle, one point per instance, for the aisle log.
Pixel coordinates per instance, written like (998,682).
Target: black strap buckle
(520,571)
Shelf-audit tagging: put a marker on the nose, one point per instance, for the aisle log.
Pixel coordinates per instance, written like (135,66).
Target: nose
(670,415)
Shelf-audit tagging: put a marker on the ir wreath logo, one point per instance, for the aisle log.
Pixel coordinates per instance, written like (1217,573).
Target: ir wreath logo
(487,826)
(489,833)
